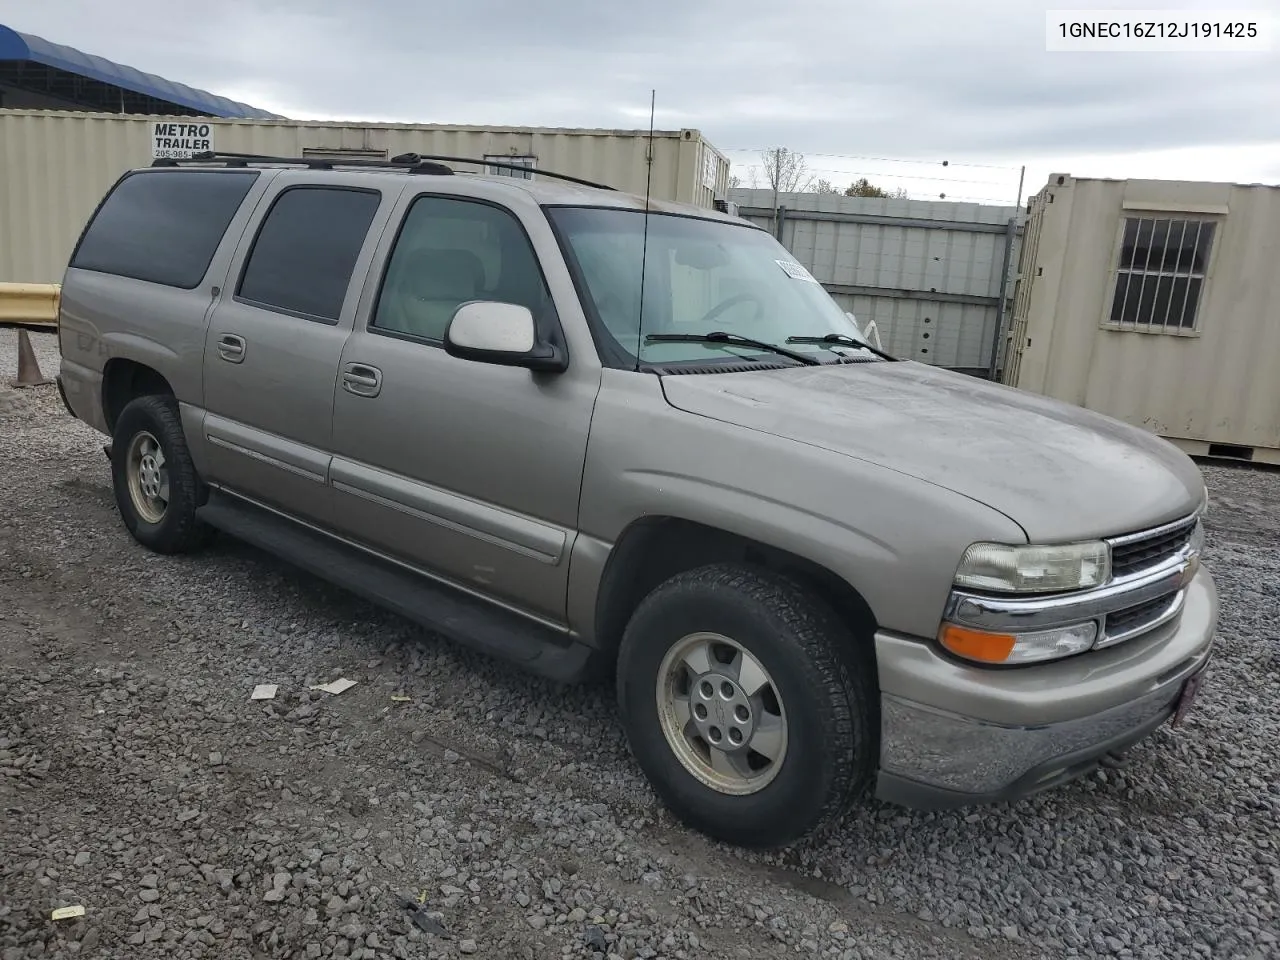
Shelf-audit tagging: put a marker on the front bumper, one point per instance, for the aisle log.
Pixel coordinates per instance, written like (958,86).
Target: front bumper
(954,734)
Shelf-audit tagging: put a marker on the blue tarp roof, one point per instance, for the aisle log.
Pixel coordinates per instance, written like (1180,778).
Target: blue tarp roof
(25,47)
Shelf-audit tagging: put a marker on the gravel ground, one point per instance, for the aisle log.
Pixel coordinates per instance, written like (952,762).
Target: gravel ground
(139,780)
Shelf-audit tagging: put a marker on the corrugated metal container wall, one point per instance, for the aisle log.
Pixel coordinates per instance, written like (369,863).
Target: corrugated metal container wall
(1158,303)
(56,166)
(1024,278)
(927,272)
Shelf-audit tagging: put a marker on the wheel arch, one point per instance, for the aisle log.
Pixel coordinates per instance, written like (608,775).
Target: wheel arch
(124,380)
(653,549)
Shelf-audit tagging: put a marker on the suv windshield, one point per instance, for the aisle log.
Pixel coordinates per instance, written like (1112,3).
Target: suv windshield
(700,276)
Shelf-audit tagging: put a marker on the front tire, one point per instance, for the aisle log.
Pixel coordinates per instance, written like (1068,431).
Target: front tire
(156,485)
(748,704)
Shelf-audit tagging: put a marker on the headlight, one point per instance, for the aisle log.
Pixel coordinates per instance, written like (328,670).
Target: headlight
(1034,569)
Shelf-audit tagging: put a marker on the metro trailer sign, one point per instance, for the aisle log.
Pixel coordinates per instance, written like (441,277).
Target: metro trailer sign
(179,141)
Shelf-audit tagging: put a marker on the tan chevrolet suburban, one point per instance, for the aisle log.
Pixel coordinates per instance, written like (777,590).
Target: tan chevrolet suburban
(599,436)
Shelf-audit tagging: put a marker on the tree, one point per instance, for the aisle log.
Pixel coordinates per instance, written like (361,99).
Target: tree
(865,188)
(785,170)
(825,186)
(735,182)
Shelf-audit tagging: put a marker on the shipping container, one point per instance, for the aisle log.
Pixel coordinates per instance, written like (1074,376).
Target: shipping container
(1156,302)
(930,273)
(55,165)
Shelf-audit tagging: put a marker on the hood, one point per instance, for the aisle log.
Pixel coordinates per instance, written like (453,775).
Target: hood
(1060,471)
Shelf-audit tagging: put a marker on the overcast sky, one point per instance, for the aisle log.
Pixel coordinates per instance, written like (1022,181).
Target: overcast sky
(905,80)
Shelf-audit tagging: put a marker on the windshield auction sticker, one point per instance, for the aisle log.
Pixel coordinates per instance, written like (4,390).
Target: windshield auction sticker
(795,271)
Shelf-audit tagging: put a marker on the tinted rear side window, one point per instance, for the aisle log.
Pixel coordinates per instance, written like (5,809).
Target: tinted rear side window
(306,250)
(163,227)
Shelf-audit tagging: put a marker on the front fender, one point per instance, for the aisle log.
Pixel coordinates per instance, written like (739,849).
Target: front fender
(895,539)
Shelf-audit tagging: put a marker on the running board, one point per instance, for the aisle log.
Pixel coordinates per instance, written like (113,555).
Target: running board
(454,614)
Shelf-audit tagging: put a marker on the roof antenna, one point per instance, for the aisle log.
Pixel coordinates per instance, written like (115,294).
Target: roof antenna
(644,244)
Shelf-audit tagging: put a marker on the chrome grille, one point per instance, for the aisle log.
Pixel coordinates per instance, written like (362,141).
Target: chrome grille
(1127,619)
(1141,617)
(1141,551)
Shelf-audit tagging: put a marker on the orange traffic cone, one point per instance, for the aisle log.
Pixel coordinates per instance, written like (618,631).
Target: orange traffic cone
(29,374)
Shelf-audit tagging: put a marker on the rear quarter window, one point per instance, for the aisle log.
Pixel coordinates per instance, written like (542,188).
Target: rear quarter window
(163,227)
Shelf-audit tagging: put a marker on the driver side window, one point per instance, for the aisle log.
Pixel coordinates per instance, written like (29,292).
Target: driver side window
(451,251)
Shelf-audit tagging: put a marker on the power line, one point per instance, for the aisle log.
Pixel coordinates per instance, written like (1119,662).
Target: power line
(889,178)
(901,176)
(850,156)
(941,198)
(949,199)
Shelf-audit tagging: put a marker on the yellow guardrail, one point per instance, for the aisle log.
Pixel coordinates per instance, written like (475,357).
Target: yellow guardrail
(30,303)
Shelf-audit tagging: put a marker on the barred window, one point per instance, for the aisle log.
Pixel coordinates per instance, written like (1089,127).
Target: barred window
(1161,273)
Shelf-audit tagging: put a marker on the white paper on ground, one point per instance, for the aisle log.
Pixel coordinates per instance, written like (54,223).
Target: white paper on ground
(335,686)
(264,691)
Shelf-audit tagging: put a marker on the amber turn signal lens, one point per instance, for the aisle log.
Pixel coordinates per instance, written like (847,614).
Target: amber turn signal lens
(1035,646)
(977,644)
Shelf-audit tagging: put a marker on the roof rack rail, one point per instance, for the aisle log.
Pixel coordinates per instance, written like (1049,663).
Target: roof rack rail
(408,162)
(501,165)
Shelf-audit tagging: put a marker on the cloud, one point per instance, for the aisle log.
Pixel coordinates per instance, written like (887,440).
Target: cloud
(912,78)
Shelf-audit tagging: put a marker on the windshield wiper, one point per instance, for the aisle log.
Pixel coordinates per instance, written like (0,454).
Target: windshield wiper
(842,339)
(733,340)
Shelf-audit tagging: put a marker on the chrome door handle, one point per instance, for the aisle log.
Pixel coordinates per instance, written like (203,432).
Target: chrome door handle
(361,379)
(231,348)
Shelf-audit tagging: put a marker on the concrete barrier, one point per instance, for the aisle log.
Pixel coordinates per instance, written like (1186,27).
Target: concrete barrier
(34,304)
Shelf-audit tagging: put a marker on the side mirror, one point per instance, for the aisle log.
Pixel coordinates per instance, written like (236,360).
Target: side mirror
(501,333)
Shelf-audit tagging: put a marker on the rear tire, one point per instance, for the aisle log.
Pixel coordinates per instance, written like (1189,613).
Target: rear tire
(156,485)
(740,657)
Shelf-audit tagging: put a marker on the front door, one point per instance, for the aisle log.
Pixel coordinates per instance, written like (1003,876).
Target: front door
(468,471)
(275,338)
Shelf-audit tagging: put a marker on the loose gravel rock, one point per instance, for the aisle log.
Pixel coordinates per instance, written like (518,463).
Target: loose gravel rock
(496,815)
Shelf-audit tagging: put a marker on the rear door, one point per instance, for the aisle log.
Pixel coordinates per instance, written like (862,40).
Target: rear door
(276,336)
